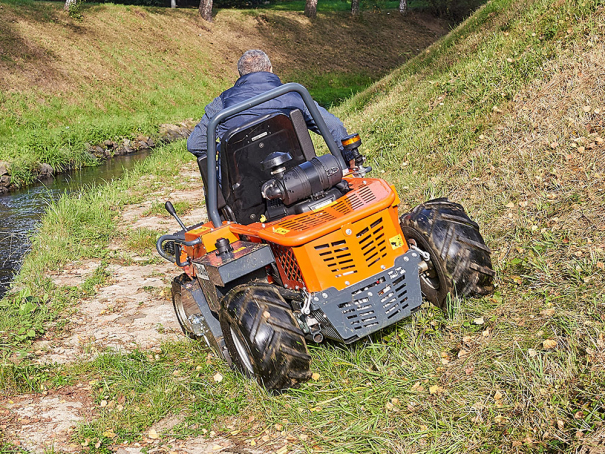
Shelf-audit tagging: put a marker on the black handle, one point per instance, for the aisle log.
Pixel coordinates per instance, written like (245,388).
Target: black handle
(177,246)
(172,212)
(170,208)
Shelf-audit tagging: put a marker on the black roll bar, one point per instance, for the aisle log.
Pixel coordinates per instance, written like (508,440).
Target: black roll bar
(212,189)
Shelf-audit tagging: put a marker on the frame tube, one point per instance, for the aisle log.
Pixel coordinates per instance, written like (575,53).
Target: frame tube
(212,189)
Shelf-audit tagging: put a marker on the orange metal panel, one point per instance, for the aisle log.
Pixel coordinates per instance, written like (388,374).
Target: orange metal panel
(356,251)
(209,236)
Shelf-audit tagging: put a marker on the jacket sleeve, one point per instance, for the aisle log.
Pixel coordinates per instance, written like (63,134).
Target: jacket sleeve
(197,143)
(334,124)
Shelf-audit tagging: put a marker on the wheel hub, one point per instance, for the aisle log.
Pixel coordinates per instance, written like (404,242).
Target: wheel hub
(241,351)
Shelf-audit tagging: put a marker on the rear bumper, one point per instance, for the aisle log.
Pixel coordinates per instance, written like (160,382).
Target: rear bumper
(368,306)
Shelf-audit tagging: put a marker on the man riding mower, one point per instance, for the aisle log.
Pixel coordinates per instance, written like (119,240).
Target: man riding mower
(301,248)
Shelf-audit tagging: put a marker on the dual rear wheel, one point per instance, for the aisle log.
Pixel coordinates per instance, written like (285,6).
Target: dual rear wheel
(263,338)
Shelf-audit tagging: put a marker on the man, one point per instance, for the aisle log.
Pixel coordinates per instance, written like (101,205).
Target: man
(256,77)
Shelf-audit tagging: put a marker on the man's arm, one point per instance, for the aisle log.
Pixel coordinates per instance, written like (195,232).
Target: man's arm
(336,127)
(197,143)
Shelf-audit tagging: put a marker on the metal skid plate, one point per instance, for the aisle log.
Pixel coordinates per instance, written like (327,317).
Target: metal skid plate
(206,323)
(372,304)
(245,258)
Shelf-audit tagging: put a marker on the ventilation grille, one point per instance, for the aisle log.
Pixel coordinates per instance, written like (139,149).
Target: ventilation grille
(345,205)
(288,264)
(373,242)
(370,241)
(372,305)
(306,221)
(337,257)
(366,194)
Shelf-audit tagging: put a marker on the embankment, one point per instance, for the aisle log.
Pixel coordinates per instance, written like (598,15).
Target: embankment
(504,115)
(122,71)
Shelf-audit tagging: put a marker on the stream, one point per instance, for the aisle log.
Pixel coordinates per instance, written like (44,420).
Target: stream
(21,211)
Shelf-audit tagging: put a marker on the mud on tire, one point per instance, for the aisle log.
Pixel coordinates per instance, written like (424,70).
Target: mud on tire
(263,338)
(460,262)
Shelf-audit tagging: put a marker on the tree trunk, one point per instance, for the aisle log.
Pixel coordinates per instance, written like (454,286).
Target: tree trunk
(403,6)
(355,8)
(173,3)
(311,8)
(68,4)
(206,10)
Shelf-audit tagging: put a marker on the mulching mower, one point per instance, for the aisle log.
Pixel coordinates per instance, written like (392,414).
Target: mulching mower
(300,248)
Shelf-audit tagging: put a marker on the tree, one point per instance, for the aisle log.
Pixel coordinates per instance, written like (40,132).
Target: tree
(403,6)
(173,3)
(69,4)
(206,10)
(355,7)
(311,8)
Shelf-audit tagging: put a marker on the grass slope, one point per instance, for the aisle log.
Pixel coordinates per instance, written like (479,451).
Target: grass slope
(504,115)
(122,70)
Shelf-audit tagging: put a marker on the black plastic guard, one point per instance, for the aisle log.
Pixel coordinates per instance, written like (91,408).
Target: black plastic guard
(371,305)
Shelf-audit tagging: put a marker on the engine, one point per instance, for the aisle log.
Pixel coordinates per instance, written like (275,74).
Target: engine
(306,187)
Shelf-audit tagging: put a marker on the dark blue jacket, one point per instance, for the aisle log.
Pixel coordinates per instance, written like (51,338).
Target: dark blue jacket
(245,88)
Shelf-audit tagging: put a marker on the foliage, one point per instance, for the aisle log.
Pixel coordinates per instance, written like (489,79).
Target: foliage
(455,10)
(75,9)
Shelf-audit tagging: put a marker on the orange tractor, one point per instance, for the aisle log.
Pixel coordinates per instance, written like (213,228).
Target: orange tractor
(301,248)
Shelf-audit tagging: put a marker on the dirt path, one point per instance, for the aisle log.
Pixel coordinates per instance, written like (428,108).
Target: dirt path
(133,309)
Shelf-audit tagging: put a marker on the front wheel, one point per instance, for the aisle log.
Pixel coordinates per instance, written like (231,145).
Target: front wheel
(459,261)
(263,338)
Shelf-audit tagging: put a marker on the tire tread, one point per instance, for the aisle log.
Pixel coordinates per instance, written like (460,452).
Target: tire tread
(453,239)
(276,344)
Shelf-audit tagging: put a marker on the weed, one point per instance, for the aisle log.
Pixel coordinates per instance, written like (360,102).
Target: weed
(142,240)
(158,209)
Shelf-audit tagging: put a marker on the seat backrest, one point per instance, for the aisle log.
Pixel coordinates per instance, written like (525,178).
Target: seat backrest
(244,148)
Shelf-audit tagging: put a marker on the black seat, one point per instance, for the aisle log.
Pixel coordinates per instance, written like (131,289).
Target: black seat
(244,148)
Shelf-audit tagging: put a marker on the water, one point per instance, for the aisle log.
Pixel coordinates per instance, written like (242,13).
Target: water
(21,211)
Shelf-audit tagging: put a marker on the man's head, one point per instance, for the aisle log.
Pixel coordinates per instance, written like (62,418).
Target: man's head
(253,61)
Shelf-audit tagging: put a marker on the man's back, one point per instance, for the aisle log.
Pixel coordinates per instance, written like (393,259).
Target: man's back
(247,86)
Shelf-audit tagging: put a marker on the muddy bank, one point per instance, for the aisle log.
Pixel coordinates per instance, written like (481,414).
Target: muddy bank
(108,149)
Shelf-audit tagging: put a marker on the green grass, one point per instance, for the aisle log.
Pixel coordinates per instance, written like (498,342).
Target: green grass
(334,5)
(123,86)
(158,209)
(75,228)
(429,383)
(331,90)
(134,390)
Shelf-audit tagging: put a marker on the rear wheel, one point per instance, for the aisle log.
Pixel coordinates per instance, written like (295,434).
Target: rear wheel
(459,261)
(263,338)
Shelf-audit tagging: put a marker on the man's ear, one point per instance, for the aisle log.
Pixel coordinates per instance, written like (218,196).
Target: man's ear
(271,69)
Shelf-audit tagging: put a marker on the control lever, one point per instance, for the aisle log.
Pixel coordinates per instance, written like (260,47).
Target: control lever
(170,208)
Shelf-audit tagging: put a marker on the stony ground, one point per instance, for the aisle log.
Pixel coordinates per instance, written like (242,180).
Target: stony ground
(133,309)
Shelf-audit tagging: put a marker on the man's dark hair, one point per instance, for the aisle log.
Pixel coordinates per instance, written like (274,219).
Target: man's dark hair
(253,61)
